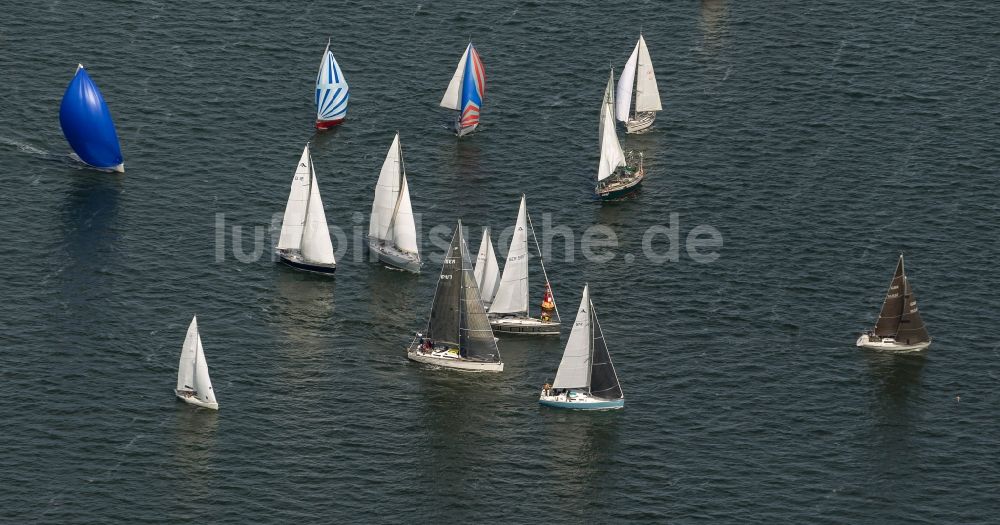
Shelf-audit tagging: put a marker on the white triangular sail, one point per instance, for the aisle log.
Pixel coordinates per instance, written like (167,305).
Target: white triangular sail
(202,383)
(647,94)
(189,352)
(487,270)
(626,82)
(295,210)
(316,245)
(404,229)
(512,293)
(574,369)
(612,155)
(452,96)
(387,191)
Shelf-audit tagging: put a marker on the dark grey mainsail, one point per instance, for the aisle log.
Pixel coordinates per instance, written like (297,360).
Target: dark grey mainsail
(899,317)
(892,307)
(911,325)
(603,379)
(446,309)
(457,314)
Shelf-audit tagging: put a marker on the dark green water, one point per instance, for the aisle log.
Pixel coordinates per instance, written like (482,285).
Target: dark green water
(819,139)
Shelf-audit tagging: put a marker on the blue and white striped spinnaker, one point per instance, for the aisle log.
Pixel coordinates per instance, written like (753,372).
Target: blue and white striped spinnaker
(332,92)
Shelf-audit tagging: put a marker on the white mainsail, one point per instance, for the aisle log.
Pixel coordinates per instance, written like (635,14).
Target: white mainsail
(387,191)
(295,210)
(574,369)
(316,245)
(612,155)
(487,271)
(452,96)
(512,293)
(202,383)
(647,94)
(189,352)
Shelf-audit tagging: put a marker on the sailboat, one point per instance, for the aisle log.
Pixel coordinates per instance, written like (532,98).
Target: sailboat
(193,384)
(617,175)
(392,235)
(466,91)
(305,237)
(586,379)
(331,92)
(458,333)
(487,270)
(86,123)
(899,327)
(509,306)
(638,75)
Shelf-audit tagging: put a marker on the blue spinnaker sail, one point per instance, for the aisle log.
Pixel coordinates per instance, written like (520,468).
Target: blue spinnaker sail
(86,123)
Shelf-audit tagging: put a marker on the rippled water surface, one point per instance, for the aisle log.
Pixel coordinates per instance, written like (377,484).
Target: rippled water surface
(820,138)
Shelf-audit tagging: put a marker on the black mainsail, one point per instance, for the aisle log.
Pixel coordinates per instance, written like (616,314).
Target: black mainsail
(899,317)
(446,310)
(457,315)
(603,379)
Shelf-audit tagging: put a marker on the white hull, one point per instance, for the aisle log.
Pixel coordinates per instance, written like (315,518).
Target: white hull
(579,401)
(640,122)
(117,169)
(191,400)
(451,360)
(524,326)
(389,255)
(888,344)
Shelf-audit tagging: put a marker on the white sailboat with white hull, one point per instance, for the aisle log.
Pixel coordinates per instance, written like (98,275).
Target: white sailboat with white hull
(899,328)
(586,379)
(487,270)
(305,236)
(193,384)
(509,306)
(637,75)
(617,174)
(392,234)
(458,333)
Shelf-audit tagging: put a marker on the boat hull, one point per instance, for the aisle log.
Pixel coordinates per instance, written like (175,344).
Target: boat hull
(889,345)
(327,124)
(524,326)
(580,401)
(622,188)
(641,123)
(461,132)
(295,260)
(191,400)
(457,363)
(118,168)
(395,258)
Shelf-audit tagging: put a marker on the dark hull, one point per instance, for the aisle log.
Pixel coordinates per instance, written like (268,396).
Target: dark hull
(618,190)
(301,265)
